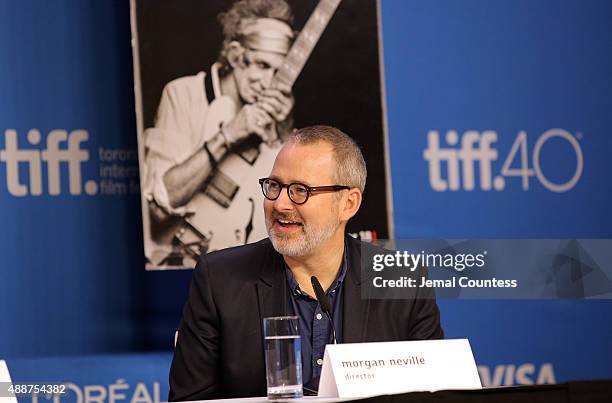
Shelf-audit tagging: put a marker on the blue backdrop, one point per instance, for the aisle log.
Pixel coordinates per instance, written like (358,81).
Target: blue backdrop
(522,82)
(507,67)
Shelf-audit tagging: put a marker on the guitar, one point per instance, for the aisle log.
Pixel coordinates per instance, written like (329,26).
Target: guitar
(229,210)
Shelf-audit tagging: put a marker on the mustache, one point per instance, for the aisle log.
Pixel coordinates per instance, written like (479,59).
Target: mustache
(276,215)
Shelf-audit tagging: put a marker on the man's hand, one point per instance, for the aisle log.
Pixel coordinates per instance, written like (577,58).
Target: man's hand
(274,105)
(278,102)
(251,119)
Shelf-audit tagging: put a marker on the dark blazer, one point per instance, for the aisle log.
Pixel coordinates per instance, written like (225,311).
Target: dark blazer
(219,353)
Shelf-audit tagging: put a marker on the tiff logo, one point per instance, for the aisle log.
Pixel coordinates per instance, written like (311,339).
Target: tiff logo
(52,156)
(475,147)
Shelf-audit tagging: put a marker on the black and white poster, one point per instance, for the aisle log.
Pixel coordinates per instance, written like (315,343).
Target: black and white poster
(200,68)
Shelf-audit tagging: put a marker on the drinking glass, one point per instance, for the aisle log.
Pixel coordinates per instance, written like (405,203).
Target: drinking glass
(283,352)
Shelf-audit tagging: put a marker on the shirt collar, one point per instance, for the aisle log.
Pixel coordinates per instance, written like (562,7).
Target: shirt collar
(294,287)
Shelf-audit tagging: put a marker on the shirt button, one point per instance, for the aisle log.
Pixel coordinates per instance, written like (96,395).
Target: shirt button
(319,316)
(320,361)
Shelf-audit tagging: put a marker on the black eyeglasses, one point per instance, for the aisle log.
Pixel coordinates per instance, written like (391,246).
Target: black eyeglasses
(298,192)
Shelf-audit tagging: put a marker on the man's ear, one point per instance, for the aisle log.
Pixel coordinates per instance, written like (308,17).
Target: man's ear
(235,54)
(351,204)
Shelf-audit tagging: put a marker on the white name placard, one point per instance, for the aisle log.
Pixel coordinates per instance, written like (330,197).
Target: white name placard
(368,369)
(5,377)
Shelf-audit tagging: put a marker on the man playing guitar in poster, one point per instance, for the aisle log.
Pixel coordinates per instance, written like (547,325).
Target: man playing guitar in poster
(217,132)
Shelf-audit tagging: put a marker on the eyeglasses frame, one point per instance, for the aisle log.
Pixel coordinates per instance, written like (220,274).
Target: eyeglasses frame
(309,189)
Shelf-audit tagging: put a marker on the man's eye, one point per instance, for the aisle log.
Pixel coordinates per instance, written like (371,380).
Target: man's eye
(300,190)
(273,186)
(263,66)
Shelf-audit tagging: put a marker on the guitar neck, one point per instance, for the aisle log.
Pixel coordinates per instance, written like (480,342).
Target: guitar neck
(306,41)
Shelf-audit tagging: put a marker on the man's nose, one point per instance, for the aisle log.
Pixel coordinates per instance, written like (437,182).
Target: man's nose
(266,79)
(283,202)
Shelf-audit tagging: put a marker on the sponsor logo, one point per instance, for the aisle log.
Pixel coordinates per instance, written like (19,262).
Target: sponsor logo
(523,374)
(476,151)
(53,156)
(32,170)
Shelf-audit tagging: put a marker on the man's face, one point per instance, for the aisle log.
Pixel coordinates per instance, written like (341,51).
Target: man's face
(255,73)
(297,229)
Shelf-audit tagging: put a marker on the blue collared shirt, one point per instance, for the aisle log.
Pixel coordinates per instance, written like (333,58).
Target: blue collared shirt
(315,330)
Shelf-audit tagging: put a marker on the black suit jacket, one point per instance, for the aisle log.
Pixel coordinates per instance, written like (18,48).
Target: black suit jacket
(219,353)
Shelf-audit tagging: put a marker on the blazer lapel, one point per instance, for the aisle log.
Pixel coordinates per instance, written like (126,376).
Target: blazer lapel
(271,288)
(356,309)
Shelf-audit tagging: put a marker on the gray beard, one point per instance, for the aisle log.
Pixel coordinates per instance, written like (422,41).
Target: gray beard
(303,244)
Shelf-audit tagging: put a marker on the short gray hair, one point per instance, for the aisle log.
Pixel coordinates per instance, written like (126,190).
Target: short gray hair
(350,165)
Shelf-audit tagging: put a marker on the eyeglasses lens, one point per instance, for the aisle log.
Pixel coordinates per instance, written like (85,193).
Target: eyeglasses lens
(298,193)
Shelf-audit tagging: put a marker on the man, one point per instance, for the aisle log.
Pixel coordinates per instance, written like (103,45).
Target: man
(206,118)
(314,189)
